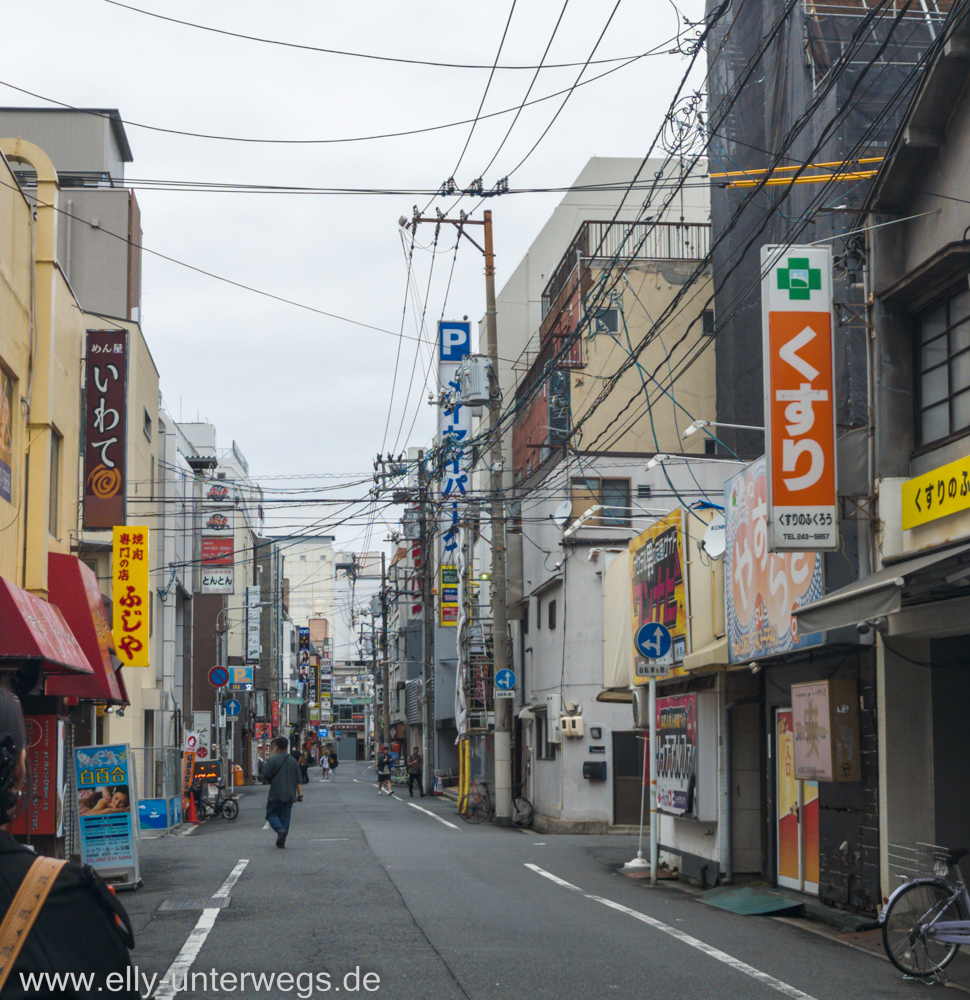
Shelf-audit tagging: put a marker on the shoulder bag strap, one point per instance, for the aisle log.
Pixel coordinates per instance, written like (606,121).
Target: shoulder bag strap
(24,909)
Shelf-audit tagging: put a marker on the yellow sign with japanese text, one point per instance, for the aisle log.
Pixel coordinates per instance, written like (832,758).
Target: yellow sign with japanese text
(130,594)
(935,494)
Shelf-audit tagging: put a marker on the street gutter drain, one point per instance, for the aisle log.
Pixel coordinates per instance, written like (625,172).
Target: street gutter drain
(194,903)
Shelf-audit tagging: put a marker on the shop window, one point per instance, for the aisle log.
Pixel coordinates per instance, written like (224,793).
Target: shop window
(943,366)
(612,494)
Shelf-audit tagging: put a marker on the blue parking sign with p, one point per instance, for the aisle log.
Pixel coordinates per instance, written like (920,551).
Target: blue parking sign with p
(454,340)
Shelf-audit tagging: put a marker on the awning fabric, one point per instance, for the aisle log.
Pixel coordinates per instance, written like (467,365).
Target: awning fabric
(32,629)
(878,594)
(74,589)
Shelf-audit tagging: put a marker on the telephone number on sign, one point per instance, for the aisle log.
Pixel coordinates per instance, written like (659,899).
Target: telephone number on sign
(805,520)
(819,536)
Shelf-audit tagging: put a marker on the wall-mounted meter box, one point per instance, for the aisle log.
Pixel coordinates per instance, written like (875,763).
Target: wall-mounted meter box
(571,725)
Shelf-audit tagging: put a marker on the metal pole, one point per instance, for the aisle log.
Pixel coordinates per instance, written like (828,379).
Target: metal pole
(500,647)
(386,673)
(652,750)
(427,605)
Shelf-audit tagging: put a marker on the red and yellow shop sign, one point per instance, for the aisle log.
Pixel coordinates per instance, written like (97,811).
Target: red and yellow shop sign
(131,594)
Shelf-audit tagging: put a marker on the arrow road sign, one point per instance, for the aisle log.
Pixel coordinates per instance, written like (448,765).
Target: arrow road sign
(653,640)
(233,708)
(505,680)
(218,676)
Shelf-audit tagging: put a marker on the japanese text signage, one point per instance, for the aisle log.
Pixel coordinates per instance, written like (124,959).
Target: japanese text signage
(217,552)
(454,430)
(761,587)
(943,491)
(105,428)
(659,588)
(253,611)
(448,595)
(796,294)
(676,749)
(304,648)
(131,594)
(42,811)
(106,807)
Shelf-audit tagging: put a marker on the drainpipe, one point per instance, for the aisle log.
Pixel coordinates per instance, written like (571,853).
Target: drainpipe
(725,817)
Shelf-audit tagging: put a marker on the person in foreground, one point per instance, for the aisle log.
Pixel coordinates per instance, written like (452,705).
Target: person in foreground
(282,773)
(78,900)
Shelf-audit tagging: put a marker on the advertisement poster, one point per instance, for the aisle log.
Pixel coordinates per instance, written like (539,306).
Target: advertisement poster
(131,594)
(799,372)
(762,588)
(797,812)
(813,740)
(42,808)
(105,428)
(6,435)
(107,808)
(217,564)
(659,590)
(676,752)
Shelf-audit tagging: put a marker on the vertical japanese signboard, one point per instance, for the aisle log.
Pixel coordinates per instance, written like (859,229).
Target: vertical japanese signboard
(253,636)
(659,585)
(761,587)
(107,805)
(304,648)
(218,541)
(275,716)
(799,372)
(454,430)
(676,751)
(44,805)
(105,428)
(448,595)
(6,435)
(131,594)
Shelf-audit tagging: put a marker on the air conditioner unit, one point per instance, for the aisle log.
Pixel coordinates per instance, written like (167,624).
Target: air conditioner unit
(571,725)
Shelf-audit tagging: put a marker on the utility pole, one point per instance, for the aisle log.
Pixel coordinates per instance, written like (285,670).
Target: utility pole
(386,667)
(427,606)
(500,647)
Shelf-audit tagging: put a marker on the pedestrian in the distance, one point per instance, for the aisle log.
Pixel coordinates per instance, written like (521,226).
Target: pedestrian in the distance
(304,763)
(282,773)
(415,772)
(384,764)
(333,761)
(324,765)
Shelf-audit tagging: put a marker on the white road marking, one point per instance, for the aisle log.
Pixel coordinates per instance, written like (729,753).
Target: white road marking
(196,939)
(187,829)
(554,878)
(428,812)
(709,950)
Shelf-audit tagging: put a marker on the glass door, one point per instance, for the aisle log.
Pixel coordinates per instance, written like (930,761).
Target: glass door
(797,818)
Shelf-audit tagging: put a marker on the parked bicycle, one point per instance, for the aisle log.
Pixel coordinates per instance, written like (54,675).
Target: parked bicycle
(224,804)
(927,918)
(477,805)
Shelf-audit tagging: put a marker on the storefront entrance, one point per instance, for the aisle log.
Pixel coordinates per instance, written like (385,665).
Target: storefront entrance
(627,782)
(797,817)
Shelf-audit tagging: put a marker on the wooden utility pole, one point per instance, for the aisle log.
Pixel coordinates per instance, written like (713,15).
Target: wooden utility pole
(500,645)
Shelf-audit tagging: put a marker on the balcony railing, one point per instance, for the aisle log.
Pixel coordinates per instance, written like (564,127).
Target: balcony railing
(624,241)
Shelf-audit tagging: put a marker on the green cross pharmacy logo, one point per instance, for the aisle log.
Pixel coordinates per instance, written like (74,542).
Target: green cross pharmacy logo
(799,280)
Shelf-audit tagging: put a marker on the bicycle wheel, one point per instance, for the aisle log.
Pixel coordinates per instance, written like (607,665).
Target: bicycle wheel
(521,811)
(230,809)
(478,807)
(903,929)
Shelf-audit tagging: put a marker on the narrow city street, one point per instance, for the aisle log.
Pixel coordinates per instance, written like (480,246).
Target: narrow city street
(436,908)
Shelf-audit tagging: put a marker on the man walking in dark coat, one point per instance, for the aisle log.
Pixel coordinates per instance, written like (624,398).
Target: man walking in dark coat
(282,773)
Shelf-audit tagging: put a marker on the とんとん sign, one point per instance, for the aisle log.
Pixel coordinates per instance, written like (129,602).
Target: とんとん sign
(796,302)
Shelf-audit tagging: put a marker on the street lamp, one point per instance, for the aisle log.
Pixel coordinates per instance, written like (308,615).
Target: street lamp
(701,424)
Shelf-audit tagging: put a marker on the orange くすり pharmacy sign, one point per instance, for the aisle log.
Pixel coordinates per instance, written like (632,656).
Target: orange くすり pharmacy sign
(799,370)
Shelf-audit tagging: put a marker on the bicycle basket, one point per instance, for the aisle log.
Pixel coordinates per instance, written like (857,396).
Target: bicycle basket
(918,860)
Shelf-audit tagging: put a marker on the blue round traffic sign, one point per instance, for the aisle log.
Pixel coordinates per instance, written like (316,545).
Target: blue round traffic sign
(653,640)
(505,680)
(233,708)
(218,676)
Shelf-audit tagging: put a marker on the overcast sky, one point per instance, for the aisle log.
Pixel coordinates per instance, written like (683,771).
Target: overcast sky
(301,393)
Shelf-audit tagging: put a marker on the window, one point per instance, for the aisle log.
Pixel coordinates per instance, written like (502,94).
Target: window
(707,323)
(710,446)
(538,612)
(612,494)
(55,484)
(525,618)
(545,750)
(552,615)
(148,424)
(944,369)
(345,713)
(605,321)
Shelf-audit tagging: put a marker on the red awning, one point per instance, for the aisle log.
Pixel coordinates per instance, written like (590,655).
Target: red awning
(32,629)
(74,589)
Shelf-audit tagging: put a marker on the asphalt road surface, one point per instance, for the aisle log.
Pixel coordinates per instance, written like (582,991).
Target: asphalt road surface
(375,897)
